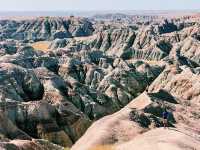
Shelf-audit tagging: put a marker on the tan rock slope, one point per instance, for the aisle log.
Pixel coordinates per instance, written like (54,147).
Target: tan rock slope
(163,139)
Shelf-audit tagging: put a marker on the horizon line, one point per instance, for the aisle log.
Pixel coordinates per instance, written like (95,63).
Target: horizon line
(99,10)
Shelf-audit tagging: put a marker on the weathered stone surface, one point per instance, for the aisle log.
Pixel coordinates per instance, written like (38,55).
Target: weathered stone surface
(176,89)
(31,145)
(46,28)
(90,69)
(19,84)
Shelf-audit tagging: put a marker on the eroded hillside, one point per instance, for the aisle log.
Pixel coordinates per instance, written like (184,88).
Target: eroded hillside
(59,75)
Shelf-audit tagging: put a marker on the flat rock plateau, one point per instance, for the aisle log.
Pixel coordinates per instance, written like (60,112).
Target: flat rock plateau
(100,83)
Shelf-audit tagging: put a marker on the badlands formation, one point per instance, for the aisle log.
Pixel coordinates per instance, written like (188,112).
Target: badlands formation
(91,84)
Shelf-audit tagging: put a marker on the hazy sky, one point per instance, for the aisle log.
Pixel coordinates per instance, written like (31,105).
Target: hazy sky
(45,5)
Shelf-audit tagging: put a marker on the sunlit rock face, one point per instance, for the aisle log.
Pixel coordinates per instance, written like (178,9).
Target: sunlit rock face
(65,80)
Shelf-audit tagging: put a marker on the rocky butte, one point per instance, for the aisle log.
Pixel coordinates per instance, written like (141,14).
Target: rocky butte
(100,83)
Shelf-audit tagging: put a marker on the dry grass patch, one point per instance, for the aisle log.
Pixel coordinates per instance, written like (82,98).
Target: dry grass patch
(103,147)
(41,45)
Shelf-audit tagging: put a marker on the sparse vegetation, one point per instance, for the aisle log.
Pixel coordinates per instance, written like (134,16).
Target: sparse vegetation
(103,147)
(99,147)
(41,45)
